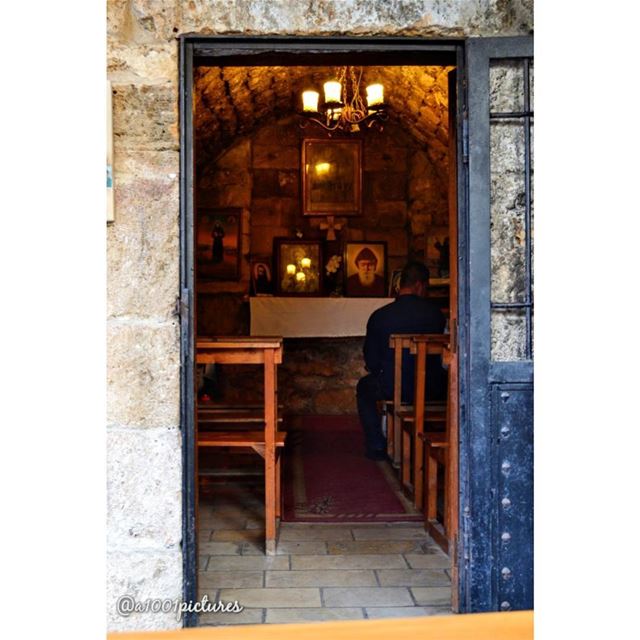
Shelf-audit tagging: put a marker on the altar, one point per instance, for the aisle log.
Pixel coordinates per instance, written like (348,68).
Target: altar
(308,317)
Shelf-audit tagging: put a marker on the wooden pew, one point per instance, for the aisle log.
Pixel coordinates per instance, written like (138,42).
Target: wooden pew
(398,342)
(437,448)
(267,441)
(414,418)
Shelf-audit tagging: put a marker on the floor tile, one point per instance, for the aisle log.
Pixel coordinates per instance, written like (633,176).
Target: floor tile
(248,563)
(204,534)
(390,533)
(348,562)
(210,592)
(280,598)
(317,614)
(324,533)
(219,548)
(427,561)
(288,547)
(222,579)
(246,616)
(366,596)
(372,546)
(322,571)
(412,577)
(224,521)
(405,612)
(238,535)
(321,578)
(434,596)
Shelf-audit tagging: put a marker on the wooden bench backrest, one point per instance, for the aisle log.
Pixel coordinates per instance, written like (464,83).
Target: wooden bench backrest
(424,345)
(398,342)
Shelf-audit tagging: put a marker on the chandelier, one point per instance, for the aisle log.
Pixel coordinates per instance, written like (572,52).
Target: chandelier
(344,107)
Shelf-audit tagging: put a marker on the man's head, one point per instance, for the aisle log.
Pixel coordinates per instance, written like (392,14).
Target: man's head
(366,264)
(414,278)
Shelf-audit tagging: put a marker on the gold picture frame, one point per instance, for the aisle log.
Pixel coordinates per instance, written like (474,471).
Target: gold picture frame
(331,177)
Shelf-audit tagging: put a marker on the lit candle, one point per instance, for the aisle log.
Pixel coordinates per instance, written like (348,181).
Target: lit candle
(310,101)
(305,263)
(375,95)
(332,91)
(322,168)
(300,277)
(291,269)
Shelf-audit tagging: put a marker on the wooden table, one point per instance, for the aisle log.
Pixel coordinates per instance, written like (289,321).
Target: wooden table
(266,351)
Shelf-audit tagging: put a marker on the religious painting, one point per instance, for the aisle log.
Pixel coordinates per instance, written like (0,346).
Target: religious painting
(331,177)
(394,283)
(261,276)
(437,253)
(366,269)
(298,267)
(218,243)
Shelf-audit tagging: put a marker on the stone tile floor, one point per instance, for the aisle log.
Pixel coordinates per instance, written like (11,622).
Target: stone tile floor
(320,571)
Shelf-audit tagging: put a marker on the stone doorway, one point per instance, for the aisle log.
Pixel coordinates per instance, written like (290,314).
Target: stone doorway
(247,158)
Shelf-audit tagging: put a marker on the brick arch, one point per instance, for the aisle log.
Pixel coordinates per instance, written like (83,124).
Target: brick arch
(232,102)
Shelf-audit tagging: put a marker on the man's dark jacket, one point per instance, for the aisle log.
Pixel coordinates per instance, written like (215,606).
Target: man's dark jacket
(406,314)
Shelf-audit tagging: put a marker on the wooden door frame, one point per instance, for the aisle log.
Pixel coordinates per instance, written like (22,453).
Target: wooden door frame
(266,51)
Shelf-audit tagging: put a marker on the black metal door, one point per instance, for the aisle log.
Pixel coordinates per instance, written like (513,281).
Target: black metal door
(496,312)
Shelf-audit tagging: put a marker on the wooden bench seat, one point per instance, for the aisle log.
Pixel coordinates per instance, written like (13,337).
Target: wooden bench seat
(431,413)
(268,441)
(237,439)
(229,417)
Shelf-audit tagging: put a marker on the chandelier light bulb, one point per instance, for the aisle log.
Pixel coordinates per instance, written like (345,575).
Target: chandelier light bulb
(375,95)
(310,101)
(332,91)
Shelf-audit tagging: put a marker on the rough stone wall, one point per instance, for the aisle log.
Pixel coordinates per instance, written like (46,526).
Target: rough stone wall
(404,195)
(144,529)
(317,376)
(508,233)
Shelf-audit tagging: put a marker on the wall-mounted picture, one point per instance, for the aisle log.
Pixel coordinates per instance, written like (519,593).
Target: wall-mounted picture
(437,254)
(331,177)
(366,269)
(394,283)
(218,243)
(261,276)
(298,266)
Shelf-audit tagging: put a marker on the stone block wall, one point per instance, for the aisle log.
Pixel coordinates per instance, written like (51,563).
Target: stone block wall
(143,443)
(404,195)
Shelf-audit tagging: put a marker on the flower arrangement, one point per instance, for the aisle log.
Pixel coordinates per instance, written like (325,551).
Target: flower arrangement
(333,281)
(333,265)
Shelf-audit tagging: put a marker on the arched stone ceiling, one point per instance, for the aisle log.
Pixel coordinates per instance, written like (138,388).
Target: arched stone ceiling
(231,102)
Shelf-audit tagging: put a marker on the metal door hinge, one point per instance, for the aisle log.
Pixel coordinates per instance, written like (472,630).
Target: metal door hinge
(184,309)
(465,139)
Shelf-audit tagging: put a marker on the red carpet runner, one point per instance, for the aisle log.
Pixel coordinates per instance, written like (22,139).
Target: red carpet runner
(328,479)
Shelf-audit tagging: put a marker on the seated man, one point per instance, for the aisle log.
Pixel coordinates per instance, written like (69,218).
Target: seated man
(411,312)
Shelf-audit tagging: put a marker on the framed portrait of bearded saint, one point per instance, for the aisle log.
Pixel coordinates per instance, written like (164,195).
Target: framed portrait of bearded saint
(366,269)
